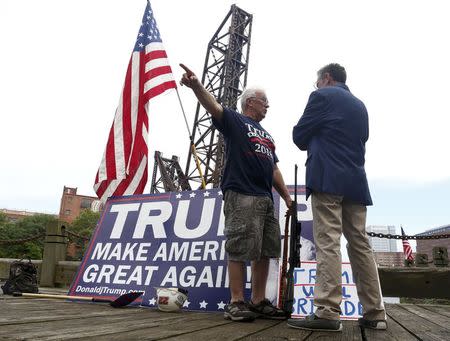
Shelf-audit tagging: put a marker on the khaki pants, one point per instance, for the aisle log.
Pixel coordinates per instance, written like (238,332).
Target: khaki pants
(333,216)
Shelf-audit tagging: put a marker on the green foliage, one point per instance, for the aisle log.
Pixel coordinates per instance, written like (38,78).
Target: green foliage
(84,225)
(3,218)
(22,229)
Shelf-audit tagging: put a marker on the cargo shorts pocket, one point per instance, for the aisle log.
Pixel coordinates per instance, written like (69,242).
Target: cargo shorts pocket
(271,239)
(237,242)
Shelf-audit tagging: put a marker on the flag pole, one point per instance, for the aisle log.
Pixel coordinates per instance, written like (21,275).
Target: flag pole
(194,151)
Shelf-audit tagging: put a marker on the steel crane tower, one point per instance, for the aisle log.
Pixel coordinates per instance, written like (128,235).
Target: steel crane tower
(225,77)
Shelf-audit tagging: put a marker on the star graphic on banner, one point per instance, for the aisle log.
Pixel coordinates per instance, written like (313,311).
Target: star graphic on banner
(219,193)
(186,304)
(206,194)
(178,195)
(192,195)
(221,305)
(203,304)
(152,301)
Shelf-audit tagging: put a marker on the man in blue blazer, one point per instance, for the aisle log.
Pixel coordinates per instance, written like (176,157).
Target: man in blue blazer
(333,130)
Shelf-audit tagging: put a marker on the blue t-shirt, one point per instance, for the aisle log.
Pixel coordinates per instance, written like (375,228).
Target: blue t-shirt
(249,155)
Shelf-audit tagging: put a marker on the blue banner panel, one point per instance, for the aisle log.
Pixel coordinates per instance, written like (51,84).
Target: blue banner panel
(173,239)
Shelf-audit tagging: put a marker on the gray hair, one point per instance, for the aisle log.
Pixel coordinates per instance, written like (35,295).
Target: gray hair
(249,93)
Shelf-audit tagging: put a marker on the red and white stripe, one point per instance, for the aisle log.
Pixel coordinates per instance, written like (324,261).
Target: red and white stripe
(123,169)
(407,250)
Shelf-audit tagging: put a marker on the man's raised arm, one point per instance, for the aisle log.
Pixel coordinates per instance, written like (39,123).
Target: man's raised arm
(204,97)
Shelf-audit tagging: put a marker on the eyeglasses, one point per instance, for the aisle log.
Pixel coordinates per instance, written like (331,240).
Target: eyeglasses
(265,102)
(316,84)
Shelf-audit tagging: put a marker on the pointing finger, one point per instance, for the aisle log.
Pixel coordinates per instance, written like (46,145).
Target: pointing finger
(188,71)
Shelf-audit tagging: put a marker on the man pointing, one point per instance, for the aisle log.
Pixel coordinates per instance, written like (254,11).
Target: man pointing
(251,229)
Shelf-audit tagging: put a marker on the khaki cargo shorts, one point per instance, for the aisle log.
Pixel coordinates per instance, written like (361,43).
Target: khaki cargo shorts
(251,229)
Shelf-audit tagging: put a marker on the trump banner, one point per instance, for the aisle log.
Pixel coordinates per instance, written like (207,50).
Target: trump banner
(170,240)
(304,283)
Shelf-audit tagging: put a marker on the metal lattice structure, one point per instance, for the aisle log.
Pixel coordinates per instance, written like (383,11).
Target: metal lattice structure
(225,77)
(171,177)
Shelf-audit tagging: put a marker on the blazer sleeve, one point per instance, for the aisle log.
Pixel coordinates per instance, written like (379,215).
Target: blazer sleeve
(311,120)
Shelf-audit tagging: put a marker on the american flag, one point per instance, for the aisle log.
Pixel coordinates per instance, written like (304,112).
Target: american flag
(406,248)
(123,170)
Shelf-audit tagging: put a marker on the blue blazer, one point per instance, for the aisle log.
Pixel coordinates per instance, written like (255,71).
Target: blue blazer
(334,129)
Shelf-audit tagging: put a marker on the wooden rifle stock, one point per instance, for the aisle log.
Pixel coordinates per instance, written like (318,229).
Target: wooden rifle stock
(283,279)
(294,254)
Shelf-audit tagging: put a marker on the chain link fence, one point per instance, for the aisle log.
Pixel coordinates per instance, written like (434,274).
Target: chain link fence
(406,237)
(70,235)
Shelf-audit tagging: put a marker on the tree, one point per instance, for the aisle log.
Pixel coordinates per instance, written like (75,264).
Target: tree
(32,226)
(83,225)
(3,218)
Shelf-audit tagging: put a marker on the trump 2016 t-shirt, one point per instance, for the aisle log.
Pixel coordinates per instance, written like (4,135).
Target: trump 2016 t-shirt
(249,155)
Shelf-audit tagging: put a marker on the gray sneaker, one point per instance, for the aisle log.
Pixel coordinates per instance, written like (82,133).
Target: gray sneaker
(312,322)
(265,309)
(372,324)
(239,311)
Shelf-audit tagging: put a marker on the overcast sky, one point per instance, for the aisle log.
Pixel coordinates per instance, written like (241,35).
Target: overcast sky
(63,65)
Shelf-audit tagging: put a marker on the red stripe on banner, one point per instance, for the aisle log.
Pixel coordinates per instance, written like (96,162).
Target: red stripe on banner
(120,190)
(140,188)
(122,187)
(313,285)
(154,55)
(158,71)
(110,155)
(140,148)
(159,89)
(407,250)
(102,188)
(126,118)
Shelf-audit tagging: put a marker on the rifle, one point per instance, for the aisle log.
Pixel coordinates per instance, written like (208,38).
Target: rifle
(294,254)
(284,261)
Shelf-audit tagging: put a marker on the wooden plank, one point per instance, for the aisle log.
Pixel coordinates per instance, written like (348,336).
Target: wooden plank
(151,329)
(27,304)
(394,332)
(97,326)
(441,309)
(229,331)
(22,311)
(282,332)
(350,331)
(416,325)
(56,315)
(429,315)
(279,331)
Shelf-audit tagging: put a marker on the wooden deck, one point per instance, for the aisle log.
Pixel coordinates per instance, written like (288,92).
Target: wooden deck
(52,319)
